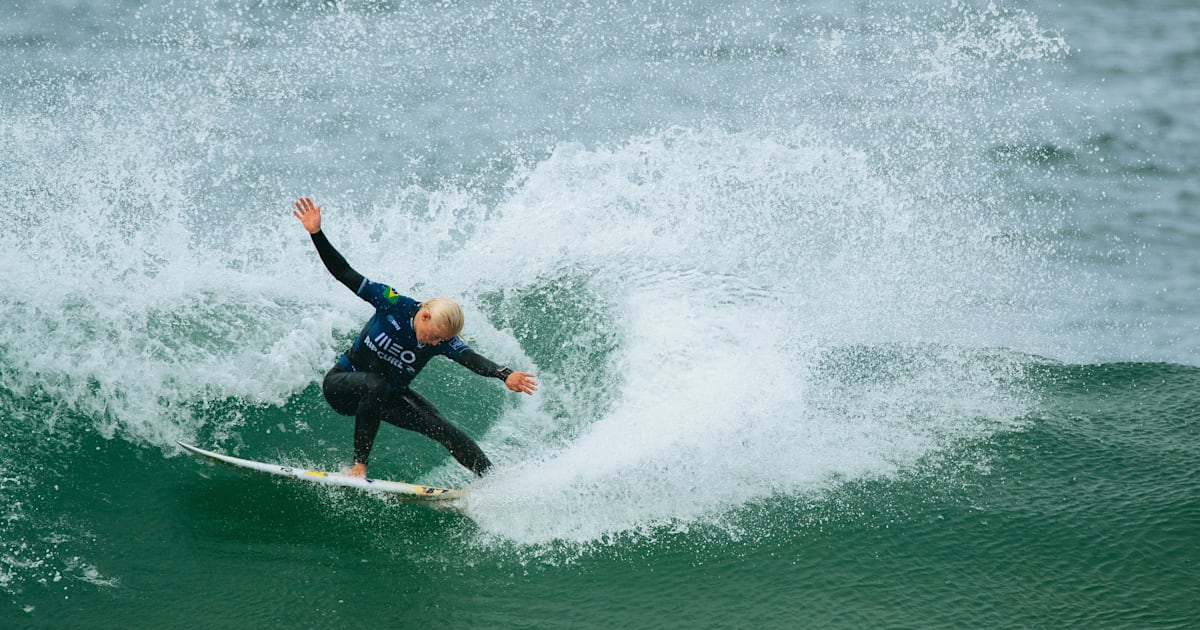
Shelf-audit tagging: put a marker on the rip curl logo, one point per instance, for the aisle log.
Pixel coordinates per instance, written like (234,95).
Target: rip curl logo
(385,348)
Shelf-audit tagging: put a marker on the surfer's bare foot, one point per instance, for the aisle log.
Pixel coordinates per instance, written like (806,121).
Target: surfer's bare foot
(358,470)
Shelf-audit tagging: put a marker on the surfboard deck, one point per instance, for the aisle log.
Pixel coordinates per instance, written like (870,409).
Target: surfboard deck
(399,488)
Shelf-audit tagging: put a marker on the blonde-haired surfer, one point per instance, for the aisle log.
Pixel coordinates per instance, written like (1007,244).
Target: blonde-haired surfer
(371,380)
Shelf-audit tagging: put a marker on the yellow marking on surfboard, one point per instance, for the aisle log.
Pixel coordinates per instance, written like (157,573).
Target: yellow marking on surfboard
(315,473)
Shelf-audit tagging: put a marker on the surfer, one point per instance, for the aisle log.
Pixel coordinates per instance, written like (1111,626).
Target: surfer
(371,380)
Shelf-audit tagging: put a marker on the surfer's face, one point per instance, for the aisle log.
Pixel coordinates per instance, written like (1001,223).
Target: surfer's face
(427,332)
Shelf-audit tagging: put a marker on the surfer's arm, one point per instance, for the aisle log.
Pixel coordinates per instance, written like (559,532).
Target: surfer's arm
(336,264)
(309,215)
(520,382)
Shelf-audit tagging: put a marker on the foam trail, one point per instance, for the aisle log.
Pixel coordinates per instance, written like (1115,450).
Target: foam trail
(741,270)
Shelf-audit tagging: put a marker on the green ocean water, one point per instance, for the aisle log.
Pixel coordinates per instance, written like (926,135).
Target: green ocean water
(844,316)
(1086,516)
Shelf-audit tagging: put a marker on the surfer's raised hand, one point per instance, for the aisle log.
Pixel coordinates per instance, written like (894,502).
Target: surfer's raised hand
(521,382)
(309,214)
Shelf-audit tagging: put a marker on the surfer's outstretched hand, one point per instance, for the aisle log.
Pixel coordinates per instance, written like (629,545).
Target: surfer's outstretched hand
(309,214)
(521,382)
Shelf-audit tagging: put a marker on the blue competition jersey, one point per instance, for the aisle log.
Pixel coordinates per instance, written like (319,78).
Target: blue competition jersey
(388,344)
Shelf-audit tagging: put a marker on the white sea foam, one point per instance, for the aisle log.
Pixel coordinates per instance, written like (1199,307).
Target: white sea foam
(784,317)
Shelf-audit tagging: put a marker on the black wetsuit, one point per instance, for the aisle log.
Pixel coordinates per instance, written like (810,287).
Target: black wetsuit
(371,380)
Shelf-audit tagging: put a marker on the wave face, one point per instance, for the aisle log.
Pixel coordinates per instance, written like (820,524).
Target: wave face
(761,316)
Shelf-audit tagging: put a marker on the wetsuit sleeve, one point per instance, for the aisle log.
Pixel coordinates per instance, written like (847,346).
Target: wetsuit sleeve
(336,264)
(481,365)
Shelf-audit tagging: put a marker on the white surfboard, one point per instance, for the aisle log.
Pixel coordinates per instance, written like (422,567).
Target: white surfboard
(404,490)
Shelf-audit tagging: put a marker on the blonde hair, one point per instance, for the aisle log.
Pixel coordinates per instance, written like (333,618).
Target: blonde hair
(445,314)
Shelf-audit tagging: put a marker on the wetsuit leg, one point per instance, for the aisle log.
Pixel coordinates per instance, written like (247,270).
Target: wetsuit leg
(362,395)
(409,410)
(370,399)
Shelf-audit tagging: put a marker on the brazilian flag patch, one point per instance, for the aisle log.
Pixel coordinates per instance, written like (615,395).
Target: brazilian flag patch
(391,295)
